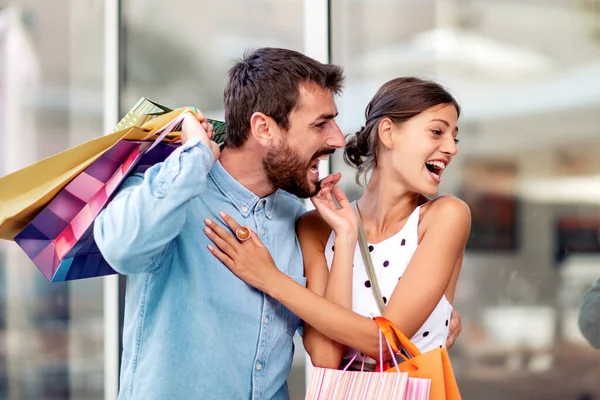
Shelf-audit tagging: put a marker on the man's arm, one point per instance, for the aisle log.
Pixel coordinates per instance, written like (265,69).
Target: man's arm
(589,315)
(135,230)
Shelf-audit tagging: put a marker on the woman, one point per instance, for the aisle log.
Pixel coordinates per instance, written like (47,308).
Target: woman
(416,245)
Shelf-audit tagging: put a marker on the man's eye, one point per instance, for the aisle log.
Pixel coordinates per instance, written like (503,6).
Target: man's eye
(321,125)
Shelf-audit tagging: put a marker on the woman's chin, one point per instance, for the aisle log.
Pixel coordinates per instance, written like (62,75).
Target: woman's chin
(429,190)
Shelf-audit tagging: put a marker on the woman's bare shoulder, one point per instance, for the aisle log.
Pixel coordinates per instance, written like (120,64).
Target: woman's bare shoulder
(444,209)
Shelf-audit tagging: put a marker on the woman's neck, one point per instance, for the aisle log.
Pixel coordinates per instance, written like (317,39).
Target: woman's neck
(384,207)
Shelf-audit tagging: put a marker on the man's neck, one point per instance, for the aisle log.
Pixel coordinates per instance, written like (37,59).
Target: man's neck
(245,166)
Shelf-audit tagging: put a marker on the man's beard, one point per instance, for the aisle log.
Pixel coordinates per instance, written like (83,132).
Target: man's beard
(286,171)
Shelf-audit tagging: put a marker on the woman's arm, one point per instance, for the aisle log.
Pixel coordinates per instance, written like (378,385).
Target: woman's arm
(420,289)
(431,272)
(313,234)
(335,283)
(456,272)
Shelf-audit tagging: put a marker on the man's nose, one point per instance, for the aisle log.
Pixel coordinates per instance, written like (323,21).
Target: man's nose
(336,137)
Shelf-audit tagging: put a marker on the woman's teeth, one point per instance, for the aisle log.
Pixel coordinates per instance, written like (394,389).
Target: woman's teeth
(437,164)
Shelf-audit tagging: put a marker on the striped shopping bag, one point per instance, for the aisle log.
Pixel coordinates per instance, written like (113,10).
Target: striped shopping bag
(334,384)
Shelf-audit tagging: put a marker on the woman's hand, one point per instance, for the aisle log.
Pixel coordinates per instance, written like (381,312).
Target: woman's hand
(342,220)
(249,260)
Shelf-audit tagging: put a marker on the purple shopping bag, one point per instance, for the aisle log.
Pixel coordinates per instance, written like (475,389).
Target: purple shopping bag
(60,240)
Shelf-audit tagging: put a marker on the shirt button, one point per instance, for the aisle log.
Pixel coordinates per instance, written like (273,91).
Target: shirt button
(258,366)
(262,231)
(266,320)
(244,209)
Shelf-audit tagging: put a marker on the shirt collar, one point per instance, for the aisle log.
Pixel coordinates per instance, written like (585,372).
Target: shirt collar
(241,198)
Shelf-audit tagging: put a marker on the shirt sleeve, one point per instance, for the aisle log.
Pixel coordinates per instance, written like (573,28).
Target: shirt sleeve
(589,315)
(139,225)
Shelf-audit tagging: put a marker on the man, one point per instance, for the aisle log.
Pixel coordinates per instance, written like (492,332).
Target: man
(192,329)
(589,315)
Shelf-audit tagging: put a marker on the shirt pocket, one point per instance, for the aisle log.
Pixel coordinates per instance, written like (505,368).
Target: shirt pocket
(292,321)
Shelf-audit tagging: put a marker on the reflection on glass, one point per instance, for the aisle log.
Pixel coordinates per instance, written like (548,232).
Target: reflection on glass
(527,166)
(51,344)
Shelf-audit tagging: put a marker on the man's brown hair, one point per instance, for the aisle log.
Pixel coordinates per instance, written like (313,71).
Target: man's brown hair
(268,80)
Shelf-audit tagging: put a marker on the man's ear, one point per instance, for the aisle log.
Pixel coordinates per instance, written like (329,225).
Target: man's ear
(260,128)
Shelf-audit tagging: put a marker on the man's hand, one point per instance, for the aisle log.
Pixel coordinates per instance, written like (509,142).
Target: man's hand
(193,128)
(454,329)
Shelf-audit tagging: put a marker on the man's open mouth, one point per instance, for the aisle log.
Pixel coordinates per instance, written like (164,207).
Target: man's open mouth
(314,165)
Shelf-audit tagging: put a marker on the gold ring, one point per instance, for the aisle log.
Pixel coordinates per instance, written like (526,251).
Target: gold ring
(242,233)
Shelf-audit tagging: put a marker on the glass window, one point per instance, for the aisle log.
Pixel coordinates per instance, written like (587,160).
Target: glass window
(526,74)
(183,60)
(177,53)
(51,98)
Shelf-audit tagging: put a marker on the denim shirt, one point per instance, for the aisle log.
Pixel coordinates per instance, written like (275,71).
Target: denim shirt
(589,315)
(192,329)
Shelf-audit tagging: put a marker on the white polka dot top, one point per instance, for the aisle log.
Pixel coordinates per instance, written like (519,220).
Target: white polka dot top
(390,259)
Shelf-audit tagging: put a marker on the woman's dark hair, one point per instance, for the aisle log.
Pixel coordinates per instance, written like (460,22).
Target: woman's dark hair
(399,100)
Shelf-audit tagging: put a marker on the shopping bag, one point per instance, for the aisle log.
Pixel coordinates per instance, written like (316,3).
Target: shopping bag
(328,384)
(25,192)
(434,364)
(59,240)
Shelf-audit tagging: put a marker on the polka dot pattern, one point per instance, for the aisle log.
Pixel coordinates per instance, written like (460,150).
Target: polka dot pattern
(390,259)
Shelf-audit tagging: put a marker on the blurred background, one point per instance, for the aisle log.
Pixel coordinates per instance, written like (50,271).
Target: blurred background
(526,72)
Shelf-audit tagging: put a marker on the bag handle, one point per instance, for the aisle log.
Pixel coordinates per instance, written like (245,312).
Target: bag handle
(154,125)
(395,337)
(380,355)
(165,126)
(172,120)
(364,249)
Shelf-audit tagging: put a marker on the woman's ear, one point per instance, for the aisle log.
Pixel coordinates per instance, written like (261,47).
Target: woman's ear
(385,132)
(260,128)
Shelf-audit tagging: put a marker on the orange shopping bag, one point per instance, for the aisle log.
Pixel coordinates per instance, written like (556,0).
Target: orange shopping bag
(434,364)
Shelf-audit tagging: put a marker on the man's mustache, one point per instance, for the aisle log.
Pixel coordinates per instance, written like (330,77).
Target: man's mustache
(324,152)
